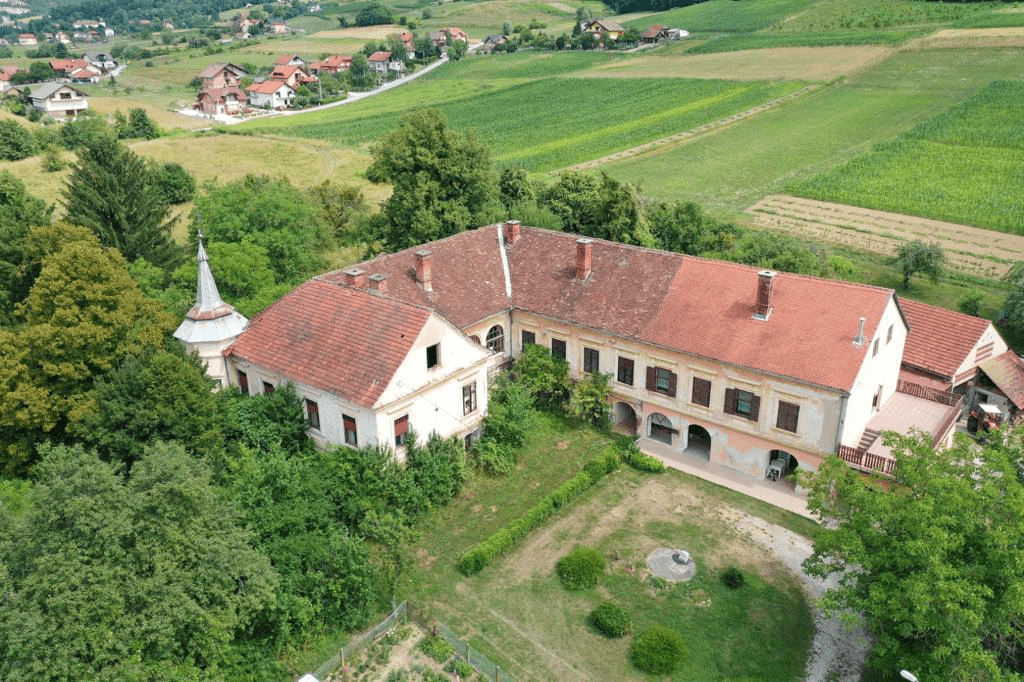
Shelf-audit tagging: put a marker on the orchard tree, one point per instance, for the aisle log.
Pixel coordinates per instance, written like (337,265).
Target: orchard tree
(443,180)
(932,560)
(917,257)
(16,141)
(113,192)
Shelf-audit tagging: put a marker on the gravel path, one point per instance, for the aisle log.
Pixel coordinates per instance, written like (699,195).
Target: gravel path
(837,654)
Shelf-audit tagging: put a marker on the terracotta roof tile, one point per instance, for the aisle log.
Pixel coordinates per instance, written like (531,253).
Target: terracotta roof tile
(468,280)
(342,340)
(1007,372)
(939,340)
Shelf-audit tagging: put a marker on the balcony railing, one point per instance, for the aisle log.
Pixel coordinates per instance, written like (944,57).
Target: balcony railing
(933,394)
(861,459)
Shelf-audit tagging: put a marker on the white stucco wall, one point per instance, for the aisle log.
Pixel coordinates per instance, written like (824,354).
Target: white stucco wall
(877,370)
(971,361)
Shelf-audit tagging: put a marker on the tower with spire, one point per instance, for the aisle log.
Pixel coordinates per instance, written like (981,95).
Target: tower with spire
(211,325)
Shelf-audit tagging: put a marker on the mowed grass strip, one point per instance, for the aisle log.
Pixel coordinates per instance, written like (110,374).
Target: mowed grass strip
(518,613)
(965,165)
(556,122)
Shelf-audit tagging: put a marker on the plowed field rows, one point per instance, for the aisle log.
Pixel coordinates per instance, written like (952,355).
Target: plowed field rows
(970,249)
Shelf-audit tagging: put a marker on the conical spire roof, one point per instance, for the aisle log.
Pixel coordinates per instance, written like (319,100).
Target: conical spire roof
(210,319)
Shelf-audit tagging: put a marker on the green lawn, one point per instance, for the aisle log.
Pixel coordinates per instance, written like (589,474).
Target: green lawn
(520,616)
(732,169)
(761,41)
(964,165)
(725,16)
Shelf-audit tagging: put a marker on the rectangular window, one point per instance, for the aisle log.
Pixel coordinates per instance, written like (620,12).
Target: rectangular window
(591,360)
(789,415)
(661,380)
(625,375)
(742,404)
(874,350)
(401,429)
(888,336)
(528,338)
(313,413)
(351,436)
(433,354)
(701,393)
(469,398)
(558,349)
(243,383)
(268,387)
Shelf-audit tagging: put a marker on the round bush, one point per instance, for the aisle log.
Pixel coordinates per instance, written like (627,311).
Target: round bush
(611,620)
(657,650)
(732,577)
(581,568)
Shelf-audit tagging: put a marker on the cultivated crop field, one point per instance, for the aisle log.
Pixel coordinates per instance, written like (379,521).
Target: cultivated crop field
(525,124)
(965,165)
(724,16)
(970,250)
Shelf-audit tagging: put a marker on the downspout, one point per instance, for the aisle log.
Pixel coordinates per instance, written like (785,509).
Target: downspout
(843,401)
(508,285)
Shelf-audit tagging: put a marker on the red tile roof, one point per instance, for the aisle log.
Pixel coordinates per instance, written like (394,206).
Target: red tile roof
(342,340)
(285,58)
(687,304)
(652,31)
(268,87)
(1007,372)
(939,340)
(379,56)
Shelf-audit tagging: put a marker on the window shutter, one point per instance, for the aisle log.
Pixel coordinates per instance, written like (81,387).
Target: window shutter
(401,425)
(672,384)
(730,401)
(755,407)
(652,378)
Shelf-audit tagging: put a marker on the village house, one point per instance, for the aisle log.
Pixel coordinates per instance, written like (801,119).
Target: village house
(294,76)
(998,395)
(654,34)
(27,39)
(103,61)
(271,94)
(492,41)
(290,60)
(58,100)
(599,27)
(219,91)
(383,63)
(6,74)
(277,27)
(440,38)
(333,64)
(75,71)
(759,372)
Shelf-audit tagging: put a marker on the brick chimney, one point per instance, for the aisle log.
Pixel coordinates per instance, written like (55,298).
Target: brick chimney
(765,284)
(379,283)
(512,229)
(355,278)
(584,253)
(423,259)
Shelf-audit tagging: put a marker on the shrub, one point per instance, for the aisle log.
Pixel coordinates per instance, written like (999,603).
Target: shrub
(436,647)
(970,304)
(581,568)
(631,455)
(461,668)
(732,578)
(611,620)
(657,650)
(493,457)
(52,161)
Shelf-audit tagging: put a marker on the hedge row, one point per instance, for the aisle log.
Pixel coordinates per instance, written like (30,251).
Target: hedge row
(632,456)
(479,556)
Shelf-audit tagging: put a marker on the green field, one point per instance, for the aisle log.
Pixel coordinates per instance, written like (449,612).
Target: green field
(761,41)
(965,165)
(731,170)
(599,116)
(724,16)
(838,15)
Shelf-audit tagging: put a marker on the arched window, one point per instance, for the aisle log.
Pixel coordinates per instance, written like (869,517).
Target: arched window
(496,339)
(475,339)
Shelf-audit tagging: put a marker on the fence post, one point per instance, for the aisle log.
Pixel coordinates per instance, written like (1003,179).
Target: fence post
(468,649)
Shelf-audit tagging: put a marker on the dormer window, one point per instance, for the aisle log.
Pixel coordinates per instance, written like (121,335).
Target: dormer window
(433,355)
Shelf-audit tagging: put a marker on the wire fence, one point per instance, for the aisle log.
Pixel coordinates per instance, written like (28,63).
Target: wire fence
(403,613)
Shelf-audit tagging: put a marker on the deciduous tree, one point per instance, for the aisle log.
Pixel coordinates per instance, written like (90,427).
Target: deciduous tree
(16,141)
(443,180)
(917,257)
(931,561)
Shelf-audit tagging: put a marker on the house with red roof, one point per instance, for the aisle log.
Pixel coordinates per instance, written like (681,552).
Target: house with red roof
(295,76)
(219,91)
(654,34)
(599,27)
(290,60)
(27,39)
(271,94)
(6,74)
(757,371)
(1000,385)
(333,64)
(383,63)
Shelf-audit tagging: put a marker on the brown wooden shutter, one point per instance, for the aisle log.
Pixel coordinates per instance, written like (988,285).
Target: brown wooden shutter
(652,378)
(401,425)
(755,407)
(701,393)
(672,384)
(730,401)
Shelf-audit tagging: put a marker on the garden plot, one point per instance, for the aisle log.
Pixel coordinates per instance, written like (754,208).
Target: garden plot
(971,250)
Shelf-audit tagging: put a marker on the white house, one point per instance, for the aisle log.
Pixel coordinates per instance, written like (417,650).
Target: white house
(59,100)
(271,93)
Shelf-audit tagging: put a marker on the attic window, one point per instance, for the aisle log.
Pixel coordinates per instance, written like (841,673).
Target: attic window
(888,337)
(433,355)
(496,339)
(874,349)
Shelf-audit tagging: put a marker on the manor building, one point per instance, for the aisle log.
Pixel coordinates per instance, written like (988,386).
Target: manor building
(760,372)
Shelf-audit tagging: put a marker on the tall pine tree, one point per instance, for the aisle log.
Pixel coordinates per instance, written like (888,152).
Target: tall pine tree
(113,192)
